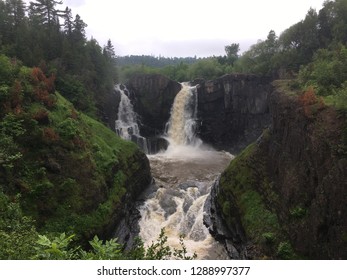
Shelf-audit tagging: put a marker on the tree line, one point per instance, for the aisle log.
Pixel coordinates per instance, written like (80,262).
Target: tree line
(154,61)
(313,51)
(41,34)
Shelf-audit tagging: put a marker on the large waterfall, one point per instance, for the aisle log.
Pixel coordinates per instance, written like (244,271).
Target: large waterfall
(181,128)
(126,124)
(184,174)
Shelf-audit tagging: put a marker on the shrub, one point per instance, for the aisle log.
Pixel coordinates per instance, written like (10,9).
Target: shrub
(62,248)
(297,212)
(268,238)
(50,135)
(310,103)
(285,251)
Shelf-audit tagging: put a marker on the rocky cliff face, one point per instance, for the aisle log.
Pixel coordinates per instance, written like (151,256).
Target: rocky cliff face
(308,167)
(153,98)
(233,110)
(295,177)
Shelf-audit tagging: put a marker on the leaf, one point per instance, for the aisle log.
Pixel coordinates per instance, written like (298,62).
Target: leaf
(44,241)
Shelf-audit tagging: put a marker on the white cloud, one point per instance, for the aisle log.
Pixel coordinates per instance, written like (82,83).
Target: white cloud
(74,3)
(146,26)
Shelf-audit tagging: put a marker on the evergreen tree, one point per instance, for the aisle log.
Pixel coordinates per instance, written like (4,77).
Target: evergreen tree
(68,23)
(45,11)
(79,30)
(16,10)
(109,50)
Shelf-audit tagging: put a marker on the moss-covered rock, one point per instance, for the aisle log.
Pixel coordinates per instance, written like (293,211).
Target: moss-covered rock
(242,190)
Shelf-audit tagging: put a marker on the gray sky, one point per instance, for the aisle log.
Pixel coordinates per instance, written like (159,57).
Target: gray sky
(186,27)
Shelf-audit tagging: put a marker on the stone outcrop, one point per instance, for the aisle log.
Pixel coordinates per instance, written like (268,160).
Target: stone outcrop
(233,110)
(296,174)
(109,111)
(232,238)
(153,96)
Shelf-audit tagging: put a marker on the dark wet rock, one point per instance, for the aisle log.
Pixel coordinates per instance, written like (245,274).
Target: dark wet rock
(233,238)
(233,110)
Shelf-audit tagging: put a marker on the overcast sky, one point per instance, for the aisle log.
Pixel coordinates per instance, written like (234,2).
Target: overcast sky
(186,27)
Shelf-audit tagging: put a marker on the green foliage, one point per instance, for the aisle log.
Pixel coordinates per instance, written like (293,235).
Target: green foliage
(56,249)
(110,250)
(327,74)
(86,71)
(10,128)
(6,70)
(68,129)
(232,53)
(245,182)
(206,69)
(268,238)
(285,251)
(260,58)
(61,247)
(298,212)
(339,99)
(159,250)
(71,171)
(17,231)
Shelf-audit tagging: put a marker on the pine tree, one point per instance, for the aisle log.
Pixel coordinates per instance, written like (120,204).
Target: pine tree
(108,50)
(45,11)
(79,30)
(68,23)
(16,10)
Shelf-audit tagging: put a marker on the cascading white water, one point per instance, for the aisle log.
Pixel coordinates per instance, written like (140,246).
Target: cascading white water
(126,124)
(184,174)
(182,124)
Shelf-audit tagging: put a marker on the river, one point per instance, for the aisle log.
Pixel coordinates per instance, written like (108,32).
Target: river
(184,174)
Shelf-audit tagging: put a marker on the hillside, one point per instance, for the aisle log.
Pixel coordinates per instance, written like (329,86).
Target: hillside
(66,171)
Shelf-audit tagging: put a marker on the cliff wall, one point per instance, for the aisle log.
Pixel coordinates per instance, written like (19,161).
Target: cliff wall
(233,110)
(289,189)
(153,96)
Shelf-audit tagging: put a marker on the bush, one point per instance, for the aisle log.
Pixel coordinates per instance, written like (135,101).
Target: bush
(285,251)
(68,129)
(298,212)
(62,248)
(268,238)
(17,232)
(310,102)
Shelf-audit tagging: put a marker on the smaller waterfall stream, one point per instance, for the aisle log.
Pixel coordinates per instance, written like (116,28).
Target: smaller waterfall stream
(184,174)
(126,124)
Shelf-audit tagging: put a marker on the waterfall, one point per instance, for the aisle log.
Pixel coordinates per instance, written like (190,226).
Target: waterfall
(126,124)
(181,128)
(183,174)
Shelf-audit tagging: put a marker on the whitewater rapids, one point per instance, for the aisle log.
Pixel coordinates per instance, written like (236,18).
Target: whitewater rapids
(184,176)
